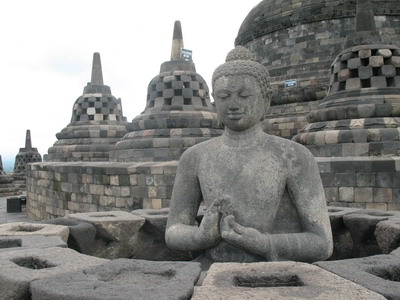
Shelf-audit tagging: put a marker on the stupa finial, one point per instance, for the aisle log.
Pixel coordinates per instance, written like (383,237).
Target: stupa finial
(97,73)
(365,20)
(177,41)
(28,141)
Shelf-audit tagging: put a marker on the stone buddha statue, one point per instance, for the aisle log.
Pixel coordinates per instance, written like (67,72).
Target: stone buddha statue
(264,196)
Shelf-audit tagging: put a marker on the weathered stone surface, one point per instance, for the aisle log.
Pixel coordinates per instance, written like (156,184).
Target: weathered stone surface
(342,241)
(283,280)
(114,232)
(379,273)
(149,242)
(387,235)
(250,215)
(122,279)
(23,242)
(362,226)
(21,267)
(24,228)
(81,234)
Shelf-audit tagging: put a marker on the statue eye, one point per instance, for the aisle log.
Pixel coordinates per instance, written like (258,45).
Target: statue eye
(223,95)
(245,94)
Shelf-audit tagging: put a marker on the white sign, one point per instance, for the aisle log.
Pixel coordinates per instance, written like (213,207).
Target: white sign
(290,83)
(186,54)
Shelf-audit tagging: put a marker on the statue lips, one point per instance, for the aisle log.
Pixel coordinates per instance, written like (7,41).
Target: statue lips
(235,116)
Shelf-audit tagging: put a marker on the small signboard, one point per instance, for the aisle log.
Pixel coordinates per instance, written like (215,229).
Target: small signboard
(186,54)
(290,83)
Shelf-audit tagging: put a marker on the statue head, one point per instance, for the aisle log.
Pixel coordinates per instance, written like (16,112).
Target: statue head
(241,90)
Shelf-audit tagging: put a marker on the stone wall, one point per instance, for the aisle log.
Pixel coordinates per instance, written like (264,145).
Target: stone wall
(361,182)
(55,189)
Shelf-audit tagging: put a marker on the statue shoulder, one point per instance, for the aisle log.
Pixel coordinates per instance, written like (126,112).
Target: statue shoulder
(288,148)
(196,152)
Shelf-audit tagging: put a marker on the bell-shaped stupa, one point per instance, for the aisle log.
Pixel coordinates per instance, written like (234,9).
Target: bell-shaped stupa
(354,132)
(97,123)
(359,117)
(178,112)
(7,187)
(26,155)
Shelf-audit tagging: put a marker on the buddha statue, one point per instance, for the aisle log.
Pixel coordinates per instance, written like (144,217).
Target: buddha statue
(263,193)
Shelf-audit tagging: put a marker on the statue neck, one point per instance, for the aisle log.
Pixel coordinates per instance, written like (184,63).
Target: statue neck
(243,138)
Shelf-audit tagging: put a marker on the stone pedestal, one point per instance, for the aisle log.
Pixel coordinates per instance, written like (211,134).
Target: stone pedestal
(122,279)
(32,229)
(278,280)
(21,267)
(115,231)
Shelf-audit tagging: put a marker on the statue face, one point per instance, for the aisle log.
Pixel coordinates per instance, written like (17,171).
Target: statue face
(239,101)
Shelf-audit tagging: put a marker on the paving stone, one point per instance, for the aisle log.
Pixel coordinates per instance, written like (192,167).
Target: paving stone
(122,279)
(277,281)
(24,228)
(20,268)
(114,232)
(379,273)
(29,242)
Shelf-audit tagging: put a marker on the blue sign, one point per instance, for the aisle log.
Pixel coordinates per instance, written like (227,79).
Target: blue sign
(290,83)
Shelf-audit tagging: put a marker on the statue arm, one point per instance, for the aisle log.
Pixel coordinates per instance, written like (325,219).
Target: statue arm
(182,231)
(307,193)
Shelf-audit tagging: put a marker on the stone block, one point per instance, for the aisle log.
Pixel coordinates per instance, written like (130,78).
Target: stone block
(395,61)
(122,279)
(366,179)
(382,195)
(150,240)
(31,229)
(378,273)
(20,268)
(353,84)
(387,71)
(277,281)
(378,82)
(81,234)
(376,61)
(114,232)
(343,75)
(346,194)
(387,235)
(363,194)
(386,53)
(342,241)
(364,53)
(365,72)
(362,225)
(23,242)
(354,63)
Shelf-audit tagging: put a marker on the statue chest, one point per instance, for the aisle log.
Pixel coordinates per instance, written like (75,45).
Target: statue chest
(255,183)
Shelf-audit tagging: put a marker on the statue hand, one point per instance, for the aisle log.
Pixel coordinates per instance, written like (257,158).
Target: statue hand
(209,227)
(246,238)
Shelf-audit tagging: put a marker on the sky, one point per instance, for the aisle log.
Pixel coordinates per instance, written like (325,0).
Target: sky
(46,50)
